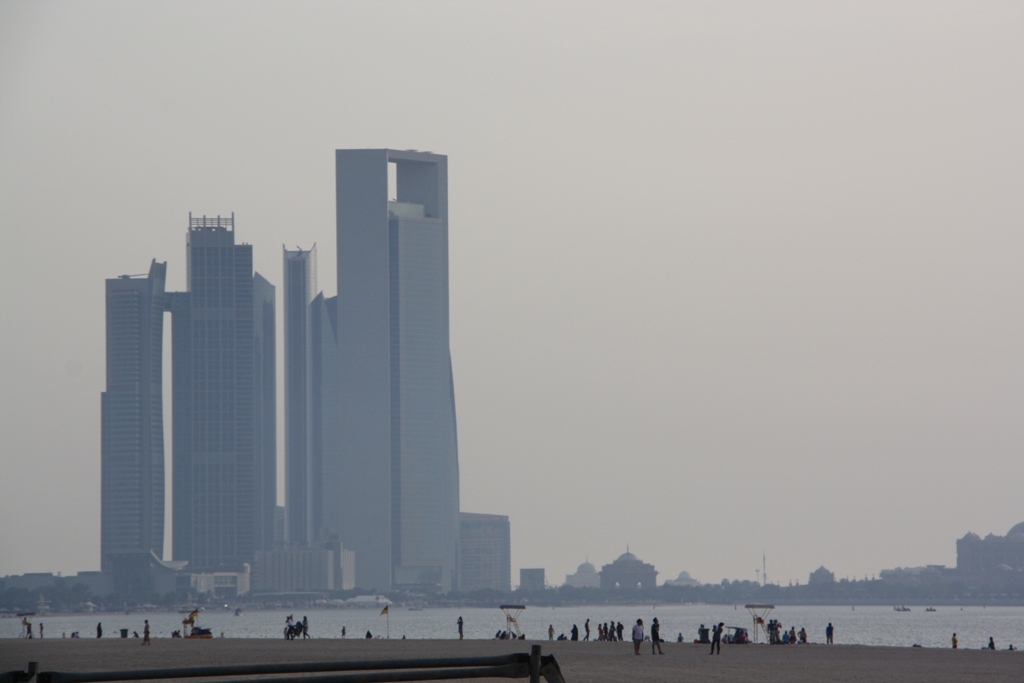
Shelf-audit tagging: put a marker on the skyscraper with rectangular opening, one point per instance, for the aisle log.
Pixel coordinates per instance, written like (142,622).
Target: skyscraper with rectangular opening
(400,490)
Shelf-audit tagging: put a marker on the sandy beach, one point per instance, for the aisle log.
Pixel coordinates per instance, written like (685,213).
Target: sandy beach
(580,662)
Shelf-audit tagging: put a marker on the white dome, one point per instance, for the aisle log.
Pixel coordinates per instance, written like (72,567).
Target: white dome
(586,568)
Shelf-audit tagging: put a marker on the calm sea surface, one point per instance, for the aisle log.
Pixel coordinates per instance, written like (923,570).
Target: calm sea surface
(863,625)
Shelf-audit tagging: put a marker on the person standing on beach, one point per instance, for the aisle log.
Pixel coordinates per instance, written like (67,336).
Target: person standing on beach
(955,641)
(716,638)
(828,633)
(638,635)
(991,643)
(459,622)
(40,630)
(586,630)
(145,633)
(99,630)
(575,633)
(618,630)
(656,636)
(551,631)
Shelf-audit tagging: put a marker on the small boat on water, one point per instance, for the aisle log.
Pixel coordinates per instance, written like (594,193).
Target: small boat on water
(901,608)
(238,611)
(931,609)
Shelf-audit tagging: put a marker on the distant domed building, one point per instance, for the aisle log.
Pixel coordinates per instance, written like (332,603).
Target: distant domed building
(586,576)
(821,575)
(684,579)
(976,556)
(628,572)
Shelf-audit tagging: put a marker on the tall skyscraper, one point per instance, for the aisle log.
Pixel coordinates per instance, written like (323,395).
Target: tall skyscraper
(299,290)
(326,471)
(224,468)
(132,434)
(265,409)
(400,490)
(312,469)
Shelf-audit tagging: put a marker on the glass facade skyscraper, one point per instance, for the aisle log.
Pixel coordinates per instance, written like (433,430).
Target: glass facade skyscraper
(326,470)
(400,490)
(299,290)
(312,469)
(224,432)
(132,433)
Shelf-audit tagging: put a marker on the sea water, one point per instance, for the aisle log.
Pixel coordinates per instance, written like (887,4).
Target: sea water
(861,625)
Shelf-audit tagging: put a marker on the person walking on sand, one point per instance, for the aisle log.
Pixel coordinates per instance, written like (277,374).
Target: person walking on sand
(99,630)
(656,636)
(716,638)
(955,641)
(638,635)
(551,631)
(145,633)
(305,628)
(586,630)
(459,622)
(828,633)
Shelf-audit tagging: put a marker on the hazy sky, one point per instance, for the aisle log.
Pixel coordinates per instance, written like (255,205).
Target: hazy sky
(725,276)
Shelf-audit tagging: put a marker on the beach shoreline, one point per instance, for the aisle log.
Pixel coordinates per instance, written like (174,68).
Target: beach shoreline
(580,662)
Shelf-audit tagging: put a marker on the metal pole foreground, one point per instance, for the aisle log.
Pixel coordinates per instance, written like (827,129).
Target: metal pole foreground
(520,665)
(535,664)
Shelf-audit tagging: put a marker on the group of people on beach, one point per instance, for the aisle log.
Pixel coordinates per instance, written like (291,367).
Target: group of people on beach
(777,635)
(609,631)
(991,644)
(612,631)
(293,629)
(26,625)
(606,631)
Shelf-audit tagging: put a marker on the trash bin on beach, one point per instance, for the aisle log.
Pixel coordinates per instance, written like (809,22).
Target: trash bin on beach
(124,633)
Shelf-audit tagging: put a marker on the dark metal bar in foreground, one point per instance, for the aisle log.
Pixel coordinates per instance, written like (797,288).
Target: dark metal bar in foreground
(532,666)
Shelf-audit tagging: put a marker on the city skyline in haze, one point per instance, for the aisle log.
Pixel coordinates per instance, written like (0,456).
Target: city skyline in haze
(724,278)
